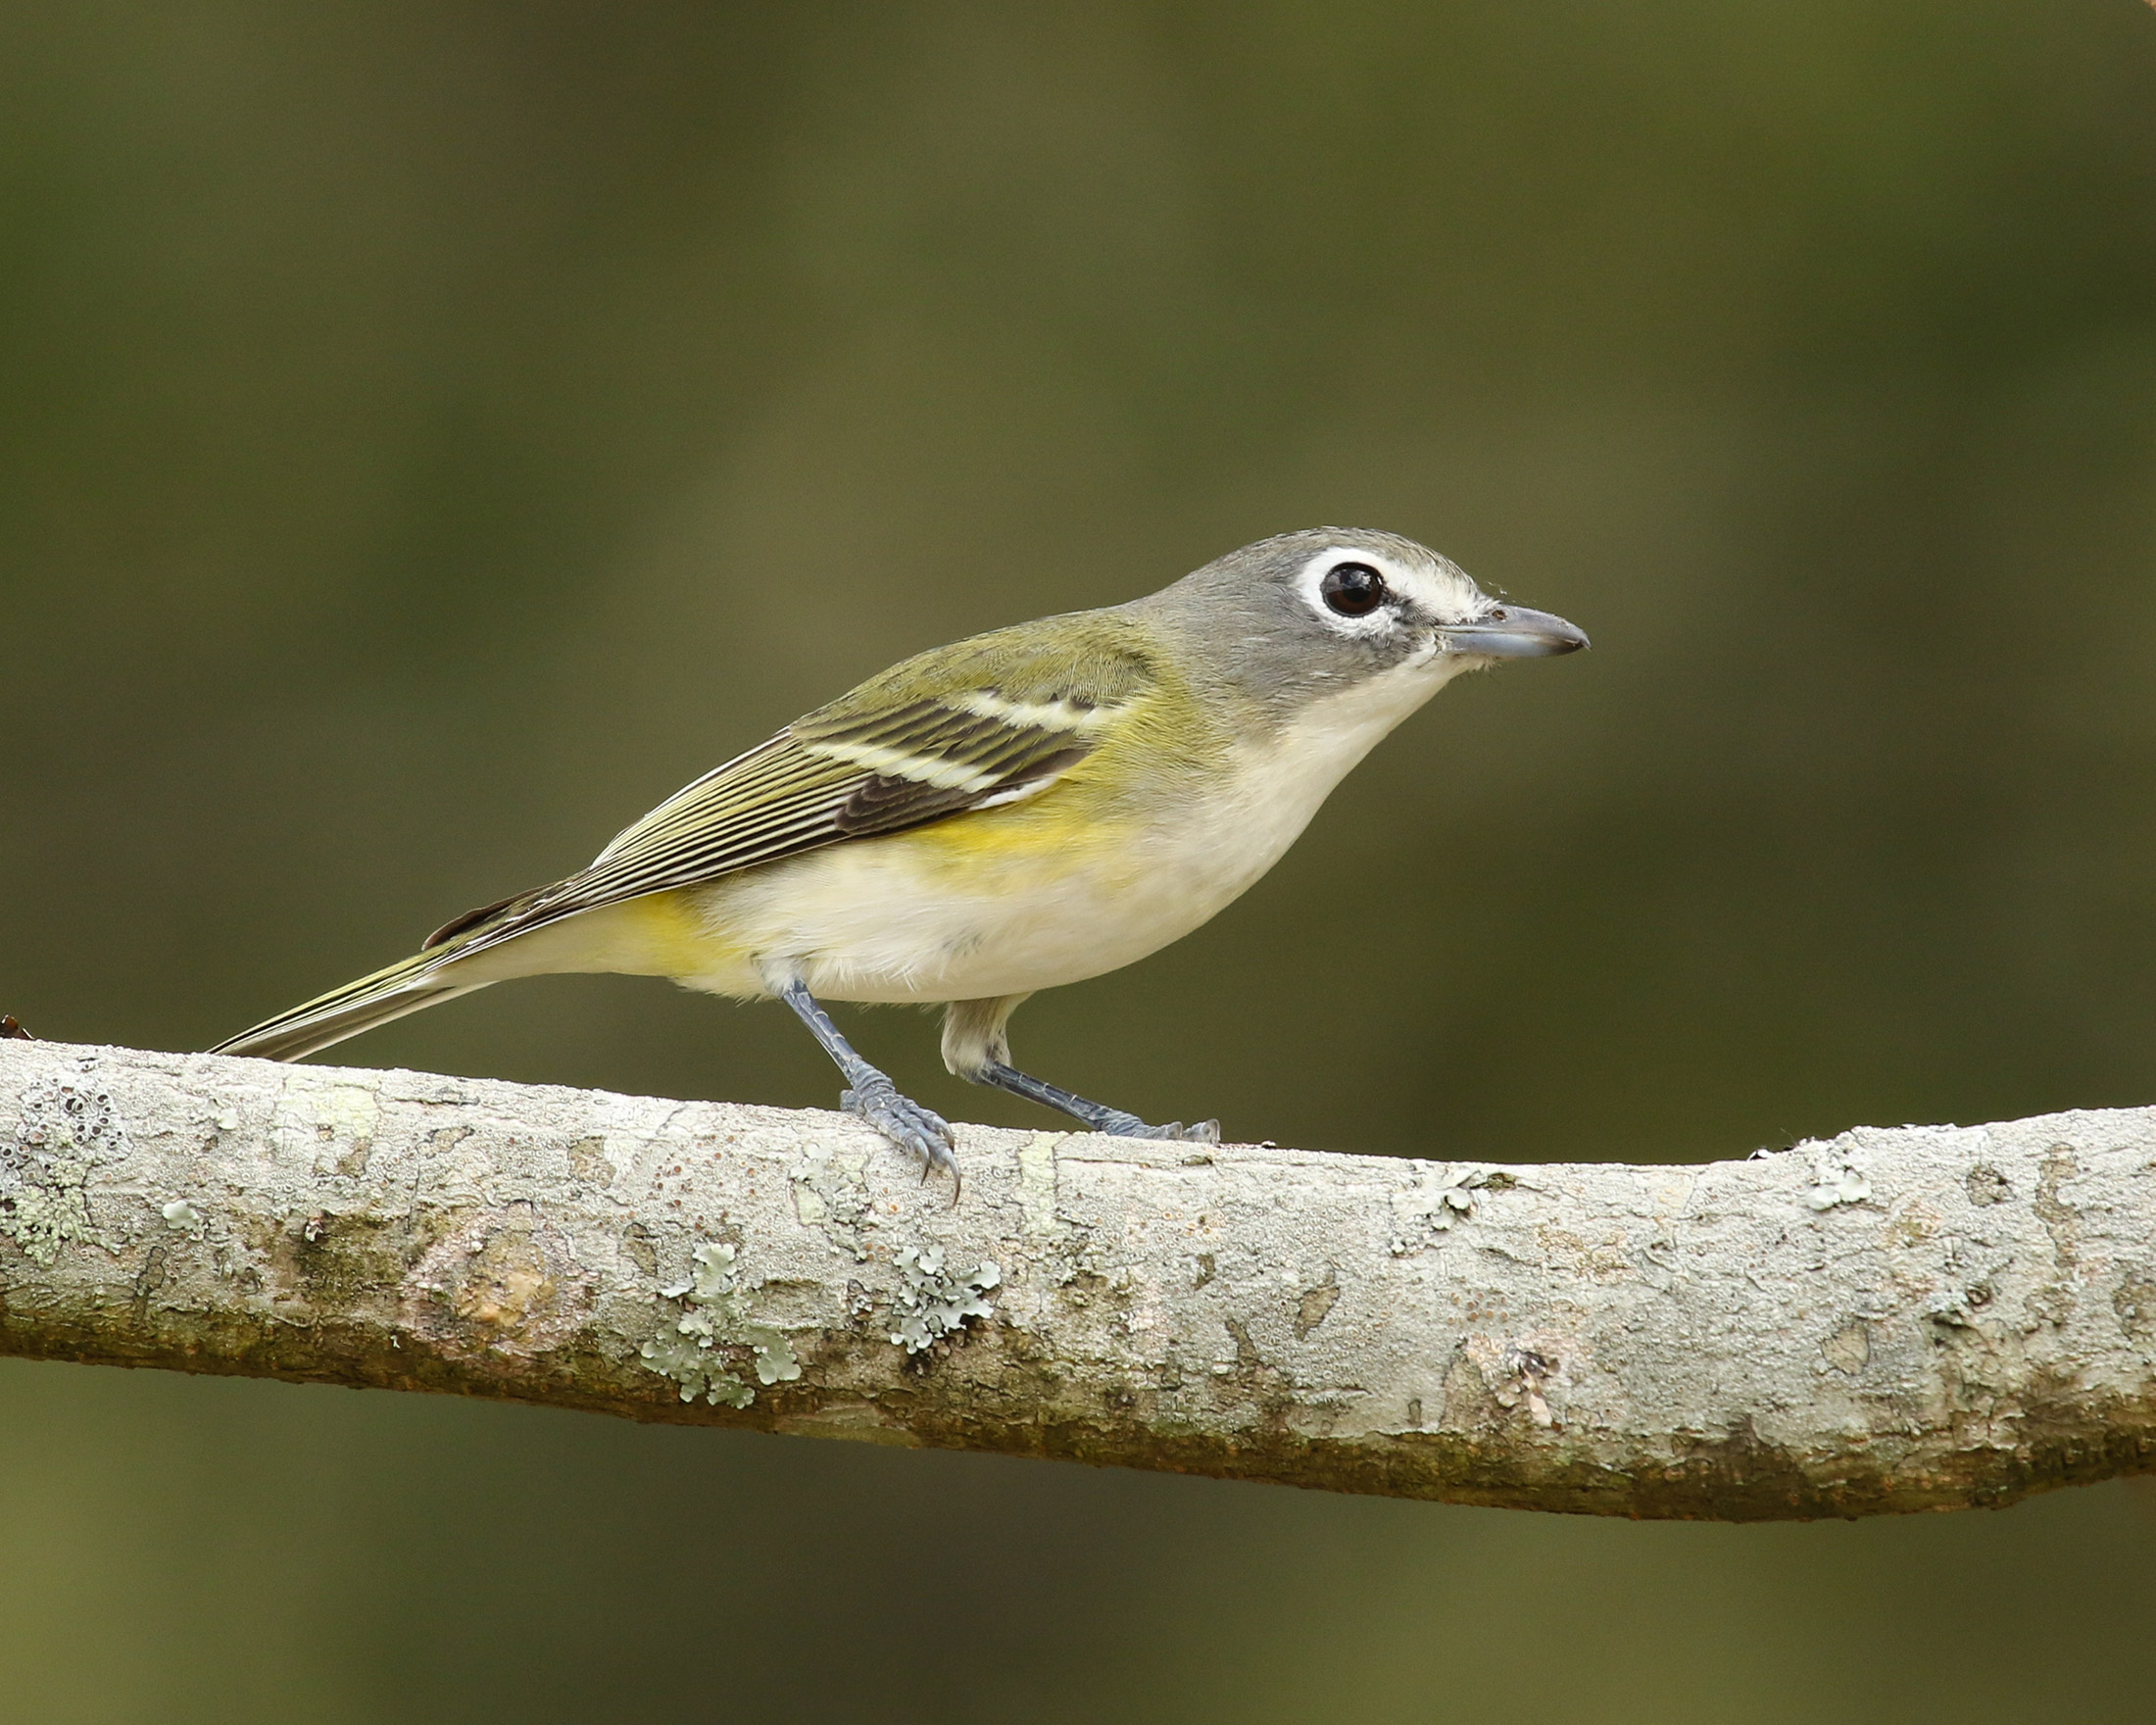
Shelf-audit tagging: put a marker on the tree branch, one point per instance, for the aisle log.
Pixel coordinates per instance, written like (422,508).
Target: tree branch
(1918,1319)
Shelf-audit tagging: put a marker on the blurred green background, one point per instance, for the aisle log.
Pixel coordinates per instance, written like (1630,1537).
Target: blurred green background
(433,432)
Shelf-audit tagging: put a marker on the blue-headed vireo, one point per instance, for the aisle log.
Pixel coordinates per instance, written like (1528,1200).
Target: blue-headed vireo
(1028,807)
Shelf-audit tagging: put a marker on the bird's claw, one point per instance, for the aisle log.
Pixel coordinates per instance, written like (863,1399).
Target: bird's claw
(921,1131)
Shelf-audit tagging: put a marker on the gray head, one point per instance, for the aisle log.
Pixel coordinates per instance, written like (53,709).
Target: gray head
(1301,616)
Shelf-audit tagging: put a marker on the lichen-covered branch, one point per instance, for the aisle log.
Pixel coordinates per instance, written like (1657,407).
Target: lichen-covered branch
(1917,1319)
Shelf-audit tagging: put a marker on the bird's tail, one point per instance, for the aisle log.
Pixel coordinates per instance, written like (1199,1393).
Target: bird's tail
(422,980)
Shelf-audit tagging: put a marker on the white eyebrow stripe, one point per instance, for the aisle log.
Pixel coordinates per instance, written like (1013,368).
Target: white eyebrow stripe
(923,769)
(1047,715)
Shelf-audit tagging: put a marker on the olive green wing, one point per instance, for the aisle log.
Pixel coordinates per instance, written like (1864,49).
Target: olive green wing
(983,723)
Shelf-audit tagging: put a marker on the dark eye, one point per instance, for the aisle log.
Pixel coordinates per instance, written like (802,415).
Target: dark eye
(1353,589)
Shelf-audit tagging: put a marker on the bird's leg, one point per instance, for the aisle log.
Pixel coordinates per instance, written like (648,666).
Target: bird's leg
(1097,1115)
(871,1095)
(976,1046)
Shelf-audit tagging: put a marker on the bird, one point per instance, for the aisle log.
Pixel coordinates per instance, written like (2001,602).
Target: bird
(1015,811)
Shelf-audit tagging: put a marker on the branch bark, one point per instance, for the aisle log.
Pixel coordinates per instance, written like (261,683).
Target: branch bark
(1918,1319)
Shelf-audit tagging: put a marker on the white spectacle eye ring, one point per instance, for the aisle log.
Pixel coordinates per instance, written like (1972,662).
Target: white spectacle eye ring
(1353,592)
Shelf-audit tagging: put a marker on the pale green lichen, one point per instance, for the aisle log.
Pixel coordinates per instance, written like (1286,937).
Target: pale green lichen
(775,1357)
(1835,1178)
(935,1302)
(710,1276)
(62,1132)
(687,1359)
(691,1350)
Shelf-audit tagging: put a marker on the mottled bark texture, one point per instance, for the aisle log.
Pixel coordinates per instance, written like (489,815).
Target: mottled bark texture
(1918,1319)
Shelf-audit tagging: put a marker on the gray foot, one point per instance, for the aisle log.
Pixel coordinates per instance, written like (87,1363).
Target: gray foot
(1124,1125)
(905,1123)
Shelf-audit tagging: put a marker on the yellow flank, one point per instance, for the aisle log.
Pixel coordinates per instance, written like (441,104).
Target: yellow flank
(1049,831)
(1002,901)
(912,915)
(670,936)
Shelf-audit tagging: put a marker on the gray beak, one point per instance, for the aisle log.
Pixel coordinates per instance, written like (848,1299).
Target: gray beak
(1512,632)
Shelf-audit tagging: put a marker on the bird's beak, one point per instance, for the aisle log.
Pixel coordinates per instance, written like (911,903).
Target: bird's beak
(1512,632)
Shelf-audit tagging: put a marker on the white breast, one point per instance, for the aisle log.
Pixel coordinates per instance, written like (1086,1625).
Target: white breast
(1270,800)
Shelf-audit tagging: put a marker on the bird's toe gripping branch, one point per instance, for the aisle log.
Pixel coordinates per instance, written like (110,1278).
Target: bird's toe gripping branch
(1124,1125)
(904,1121)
